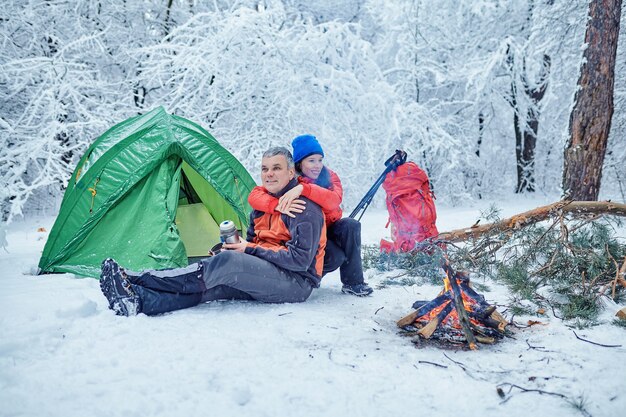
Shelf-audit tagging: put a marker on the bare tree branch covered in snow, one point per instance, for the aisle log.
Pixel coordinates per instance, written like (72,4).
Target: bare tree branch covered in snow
(368,77)
(478,64)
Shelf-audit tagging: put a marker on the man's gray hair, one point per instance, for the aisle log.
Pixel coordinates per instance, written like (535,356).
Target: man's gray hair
(280,150)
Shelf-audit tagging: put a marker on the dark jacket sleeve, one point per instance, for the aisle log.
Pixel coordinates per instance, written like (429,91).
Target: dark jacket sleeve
(250,232)
(299,252)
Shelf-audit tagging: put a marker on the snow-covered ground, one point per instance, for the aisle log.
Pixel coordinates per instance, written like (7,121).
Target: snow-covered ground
(64,353)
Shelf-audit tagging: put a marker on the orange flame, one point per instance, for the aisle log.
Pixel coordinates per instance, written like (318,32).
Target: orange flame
(452,319)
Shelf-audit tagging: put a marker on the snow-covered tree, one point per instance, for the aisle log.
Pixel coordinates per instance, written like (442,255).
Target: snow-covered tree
(475,66)
(452,82)
(255,79)
(590,121)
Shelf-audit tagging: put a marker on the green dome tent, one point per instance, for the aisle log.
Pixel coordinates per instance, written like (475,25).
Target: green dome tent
(150,192)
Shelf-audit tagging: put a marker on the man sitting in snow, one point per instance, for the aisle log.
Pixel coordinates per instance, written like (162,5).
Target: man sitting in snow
(281,261)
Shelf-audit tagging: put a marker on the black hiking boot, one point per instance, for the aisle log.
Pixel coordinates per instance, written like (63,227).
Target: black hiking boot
(360,290)
(117,289)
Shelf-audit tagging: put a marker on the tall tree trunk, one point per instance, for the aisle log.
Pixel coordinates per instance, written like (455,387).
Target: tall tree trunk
(590,120)
(526,95)
(481,131)
(519,144)
(168,22)
(526,123)
(534,94)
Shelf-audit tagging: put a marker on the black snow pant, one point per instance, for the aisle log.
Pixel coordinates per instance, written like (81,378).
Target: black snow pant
(226,276)
(343,251)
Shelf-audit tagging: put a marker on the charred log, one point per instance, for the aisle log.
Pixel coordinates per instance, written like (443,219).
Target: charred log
(427,331)
(460,306)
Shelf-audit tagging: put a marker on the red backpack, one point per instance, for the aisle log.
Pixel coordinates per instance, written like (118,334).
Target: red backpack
(411,206)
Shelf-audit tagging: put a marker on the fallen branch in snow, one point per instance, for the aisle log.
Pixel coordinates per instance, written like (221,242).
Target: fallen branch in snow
(577,208)
(506,396)
(464,368)
(594,343)
(567,264)
(539,348)
(511,386)
(433,363)
(551,305)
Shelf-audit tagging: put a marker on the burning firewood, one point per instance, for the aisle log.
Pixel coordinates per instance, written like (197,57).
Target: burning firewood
(458,313)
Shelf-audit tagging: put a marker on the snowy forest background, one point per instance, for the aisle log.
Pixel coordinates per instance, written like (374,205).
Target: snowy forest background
(440,79)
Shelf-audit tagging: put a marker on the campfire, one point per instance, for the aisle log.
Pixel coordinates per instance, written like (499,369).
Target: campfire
(458,314)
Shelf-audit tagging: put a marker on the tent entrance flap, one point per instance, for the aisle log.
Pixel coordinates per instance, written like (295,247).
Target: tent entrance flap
(200,211)
(197,229)
(199,190)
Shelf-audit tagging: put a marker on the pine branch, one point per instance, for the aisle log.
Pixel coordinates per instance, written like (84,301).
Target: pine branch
(560,208)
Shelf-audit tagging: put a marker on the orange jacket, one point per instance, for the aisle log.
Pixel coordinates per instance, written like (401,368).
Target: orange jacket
(295,244)
(328,199)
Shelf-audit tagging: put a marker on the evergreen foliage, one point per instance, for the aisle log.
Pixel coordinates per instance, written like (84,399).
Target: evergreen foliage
(415,268)
(565,264)
(620,323)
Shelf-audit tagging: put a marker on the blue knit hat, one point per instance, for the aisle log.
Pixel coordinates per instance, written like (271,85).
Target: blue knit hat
(305,145)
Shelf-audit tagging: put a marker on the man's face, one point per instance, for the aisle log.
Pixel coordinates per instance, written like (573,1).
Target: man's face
(274,173)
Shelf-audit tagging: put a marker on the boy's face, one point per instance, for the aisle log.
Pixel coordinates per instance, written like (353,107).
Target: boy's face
(275,175)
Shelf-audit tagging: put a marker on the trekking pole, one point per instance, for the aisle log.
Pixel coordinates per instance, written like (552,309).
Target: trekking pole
(391,164)
(369,196)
